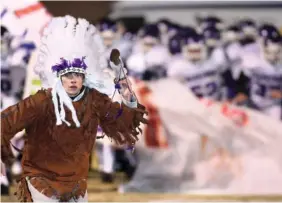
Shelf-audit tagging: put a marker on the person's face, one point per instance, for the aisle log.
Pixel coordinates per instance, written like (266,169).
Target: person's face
(72,82)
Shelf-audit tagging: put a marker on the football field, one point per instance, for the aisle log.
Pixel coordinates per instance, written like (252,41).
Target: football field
(99,192)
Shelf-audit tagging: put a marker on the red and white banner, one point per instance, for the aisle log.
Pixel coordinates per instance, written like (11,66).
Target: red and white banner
(196,147)
(28,16)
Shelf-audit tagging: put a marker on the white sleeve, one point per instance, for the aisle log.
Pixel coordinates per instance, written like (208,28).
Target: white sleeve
(249,62)
(219,60)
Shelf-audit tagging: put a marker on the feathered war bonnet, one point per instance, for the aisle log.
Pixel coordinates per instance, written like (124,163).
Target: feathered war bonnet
(70,45)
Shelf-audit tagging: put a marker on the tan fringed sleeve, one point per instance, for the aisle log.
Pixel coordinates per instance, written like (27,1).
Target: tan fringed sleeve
(16,118)
(118,121)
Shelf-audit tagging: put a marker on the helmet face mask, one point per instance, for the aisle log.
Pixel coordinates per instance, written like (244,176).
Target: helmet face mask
(148,43)
(194,48)
(272,52)
(211,37)
(231,34)
(194,51)
(108,37)
(248,29)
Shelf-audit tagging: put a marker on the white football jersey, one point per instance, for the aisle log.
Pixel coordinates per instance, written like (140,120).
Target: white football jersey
(139,62)
(136,65)
(264,77)
(203,78)
(253,48)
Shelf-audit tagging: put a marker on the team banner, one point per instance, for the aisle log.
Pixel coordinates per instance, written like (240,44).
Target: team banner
(204,147)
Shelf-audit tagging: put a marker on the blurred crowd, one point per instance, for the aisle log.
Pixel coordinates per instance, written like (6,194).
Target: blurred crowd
(240,63)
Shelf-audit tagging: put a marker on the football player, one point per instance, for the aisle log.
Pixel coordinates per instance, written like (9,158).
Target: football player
(150,60)
(201,74)
(263,74)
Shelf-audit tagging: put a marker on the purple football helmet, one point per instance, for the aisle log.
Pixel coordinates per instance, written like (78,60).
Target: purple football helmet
(212,37)
(150,36)
(231,34)
(248,28)
(107,29)
(150,30)
(187,31)
(271,42)
(210,21)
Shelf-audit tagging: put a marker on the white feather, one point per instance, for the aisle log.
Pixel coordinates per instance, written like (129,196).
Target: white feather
(69,38)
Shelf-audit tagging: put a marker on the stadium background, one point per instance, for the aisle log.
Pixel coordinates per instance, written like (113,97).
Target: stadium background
(136,14)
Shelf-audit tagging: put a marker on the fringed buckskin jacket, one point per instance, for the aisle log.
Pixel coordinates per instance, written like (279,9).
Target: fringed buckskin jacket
(56,158)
